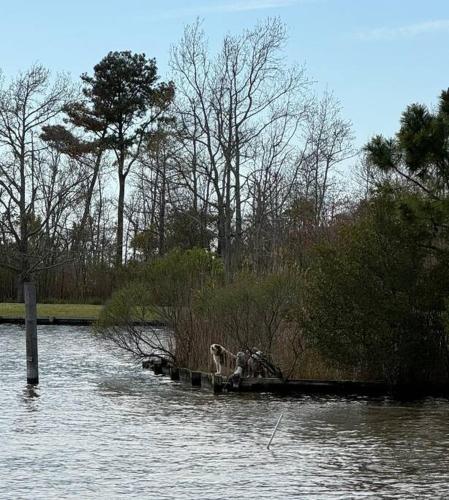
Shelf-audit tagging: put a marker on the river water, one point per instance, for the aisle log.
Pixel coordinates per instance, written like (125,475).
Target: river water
(98,426)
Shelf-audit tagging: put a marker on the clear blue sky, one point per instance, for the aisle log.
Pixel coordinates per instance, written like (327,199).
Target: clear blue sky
(376,55)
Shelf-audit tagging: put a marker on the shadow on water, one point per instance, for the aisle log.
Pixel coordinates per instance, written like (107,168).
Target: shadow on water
(30,396)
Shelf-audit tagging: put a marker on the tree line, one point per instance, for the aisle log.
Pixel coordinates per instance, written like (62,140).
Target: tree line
(215,200)
(232,155)
(326,287)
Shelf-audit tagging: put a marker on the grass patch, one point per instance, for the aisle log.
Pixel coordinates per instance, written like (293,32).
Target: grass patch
(9,309)
(14,310)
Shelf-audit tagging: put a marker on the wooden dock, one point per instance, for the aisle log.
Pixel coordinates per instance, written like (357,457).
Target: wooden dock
(218,384)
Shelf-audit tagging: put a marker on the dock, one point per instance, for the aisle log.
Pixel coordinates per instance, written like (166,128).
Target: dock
(219,384)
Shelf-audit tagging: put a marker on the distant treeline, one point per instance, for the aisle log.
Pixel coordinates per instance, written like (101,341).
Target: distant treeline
(236,155)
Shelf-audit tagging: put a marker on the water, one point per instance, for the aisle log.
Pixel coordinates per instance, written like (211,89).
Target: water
(98,426)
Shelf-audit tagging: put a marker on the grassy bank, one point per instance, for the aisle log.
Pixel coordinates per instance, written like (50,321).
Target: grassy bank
(9,310)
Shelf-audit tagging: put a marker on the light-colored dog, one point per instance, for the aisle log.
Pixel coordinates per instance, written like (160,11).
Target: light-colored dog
(221,356)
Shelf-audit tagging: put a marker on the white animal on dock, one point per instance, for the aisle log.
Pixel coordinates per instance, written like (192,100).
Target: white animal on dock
(221,356)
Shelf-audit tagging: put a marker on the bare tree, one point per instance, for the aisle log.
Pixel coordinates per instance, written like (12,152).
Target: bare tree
(36,186)
(330,142)
(225,105)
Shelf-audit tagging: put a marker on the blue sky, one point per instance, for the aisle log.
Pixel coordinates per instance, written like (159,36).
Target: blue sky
(376,55)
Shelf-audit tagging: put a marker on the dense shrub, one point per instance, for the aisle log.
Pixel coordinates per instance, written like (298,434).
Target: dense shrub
(374,297)
(253,312)
(163,290)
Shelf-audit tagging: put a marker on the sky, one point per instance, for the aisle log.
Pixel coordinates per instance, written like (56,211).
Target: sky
(377,56)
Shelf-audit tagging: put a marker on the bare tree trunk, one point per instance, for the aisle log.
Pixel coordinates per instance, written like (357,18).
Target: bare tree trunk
(120,217)
(229,105)
(162,207)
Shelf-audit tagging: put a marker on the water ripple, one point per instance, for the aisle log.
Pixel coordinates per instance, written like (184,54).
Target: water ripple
(99,427)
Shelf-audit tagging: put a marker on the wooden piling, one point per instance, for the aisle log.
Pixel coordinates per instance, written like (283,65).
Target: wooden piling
(212,382)
(206,381)
(146,364)
(174,373)
(166,369)
(196,379)
(217,383)
(157,369)
(29,291)
(185,375)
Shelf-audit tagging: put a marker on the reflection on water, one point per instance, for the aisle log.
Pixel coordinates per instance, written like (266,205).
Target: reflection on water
(29,396)
(99,427)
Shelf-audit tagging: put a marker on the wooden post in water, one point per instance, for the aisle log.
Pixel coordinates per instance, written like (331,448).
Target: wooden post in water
(29,292)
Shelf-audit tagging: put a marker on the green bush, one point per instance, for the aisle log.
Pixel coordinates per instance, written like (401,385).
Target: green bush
(252,312)
(163,289)
(374,297)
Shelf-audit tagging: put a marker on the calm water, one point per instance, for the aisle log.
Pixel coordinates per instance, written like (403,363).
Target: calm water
(99,427)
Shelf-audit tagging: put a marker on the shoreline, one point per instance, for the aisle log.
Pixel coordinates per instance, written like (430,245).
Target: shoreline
(80,321)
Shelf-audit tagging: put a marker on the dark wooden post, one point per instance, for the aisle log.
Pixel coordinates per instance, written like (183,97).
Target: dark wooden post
(29,292)
(195,378)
